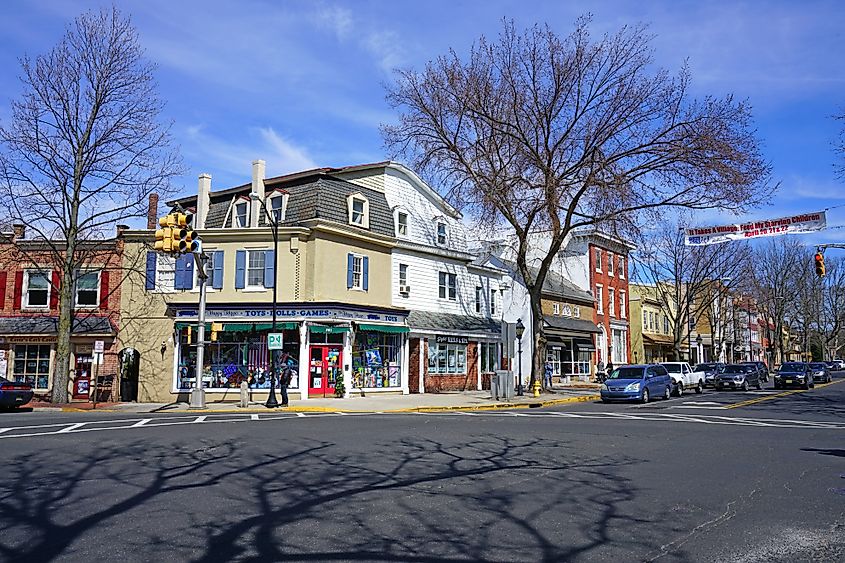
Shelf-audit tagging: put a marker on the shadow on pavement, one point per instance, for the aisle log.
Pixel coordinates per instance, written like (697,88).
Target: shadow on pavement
(824,451)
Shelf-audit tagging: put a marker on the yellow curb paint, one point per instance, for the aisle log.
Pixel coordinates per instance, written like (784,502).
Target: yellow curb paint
(779,395)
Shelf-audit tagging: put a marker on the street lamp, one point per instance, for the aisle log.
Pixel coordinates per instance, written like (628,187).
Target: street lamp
(520,330)
(698,342)
(272,402)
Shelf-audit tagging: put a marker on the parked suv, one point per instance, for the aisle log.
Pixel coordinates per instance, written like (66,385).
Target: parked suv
(794,374)
(739,376)
(636,383)
(683,377)
(761,368)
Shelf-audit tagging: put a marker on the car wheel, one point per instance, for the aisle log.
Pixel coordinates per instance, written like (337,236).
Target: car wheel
(699,388)
(744,386)
(645,396)
(679,390)
(667,394)
(829,379)
(759,385)
(605,401)
(777,385)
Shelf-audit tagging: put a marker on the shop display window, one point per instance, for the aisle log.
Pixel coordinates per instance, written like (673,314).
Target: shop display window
(239,354)
(32,365)
(447,358)
(489,356)
(376,360)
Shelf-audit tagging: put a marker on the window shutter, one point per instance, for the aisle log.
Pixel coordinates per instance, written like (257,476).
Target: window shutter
(365,283)
(151,271)
(54,290)
(240,269)
(18,289)
(178,275)
(188,276)
(104,289)
(2,290)
(269,268)
(217,270)
(349,260)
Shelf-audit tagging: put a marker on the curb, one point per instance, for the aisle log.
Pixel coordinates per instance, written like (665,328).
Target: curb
(236,410)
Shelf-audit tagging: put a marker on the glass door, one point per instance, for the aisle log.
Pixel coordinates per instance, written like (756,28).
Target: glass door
(325,368)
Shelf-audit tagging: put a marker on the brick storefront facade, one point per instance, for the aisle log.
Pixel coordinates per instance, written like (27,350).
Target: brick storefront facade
(609,283)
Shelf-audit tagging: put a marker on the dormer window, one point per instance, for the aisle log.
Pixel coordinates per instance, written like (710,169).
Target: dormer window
(359,211)
(442,233)
(276,206)
(242,214)
(401,224)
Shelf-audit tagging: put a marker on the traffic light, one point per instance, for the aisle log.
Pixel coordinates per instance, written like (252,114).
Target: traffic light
(819,258)
(177,234)
(167,237)
(188,237)
(215,328)
(188,335)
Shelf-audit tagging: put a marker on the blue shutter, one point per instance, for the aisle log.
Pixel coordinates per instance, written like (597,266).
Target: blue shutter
(151,270)
(217,269)
(240,269)
(366,276)
(269,268)
(188,276)
(349,261)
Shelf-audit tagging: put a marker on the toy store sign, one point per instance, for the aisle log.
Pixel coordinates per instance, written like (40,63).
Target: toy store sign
(287,313)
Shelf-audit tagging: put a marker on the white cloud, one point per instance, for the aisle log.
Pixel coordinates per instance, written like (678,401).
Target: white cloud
(336,19)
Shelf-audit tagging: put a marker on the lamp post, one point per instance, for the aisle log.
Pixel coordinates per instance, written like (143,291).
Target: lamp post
(698,342)
(520,330)
(272,402)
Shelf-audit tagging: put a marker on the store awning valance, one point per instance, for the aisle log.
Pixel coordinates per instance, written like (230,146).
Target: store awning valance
(390,329)
(180,326)
(323,329)
(247,327)
(584,345)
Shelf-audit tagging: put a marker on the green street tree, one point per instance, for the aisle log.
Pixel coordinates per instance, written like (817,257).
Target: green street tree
(83,150)
(540,135)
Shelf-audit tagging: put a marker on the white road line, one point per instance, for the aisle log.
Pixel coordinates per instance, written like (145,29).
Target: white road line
(70,428)
(300,414)
(141,423)
(200,419)
(253,417)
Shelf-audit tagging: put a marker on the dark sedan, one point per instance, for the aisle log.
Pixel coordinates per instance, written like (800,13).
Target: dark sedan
(739,376)
(710,370)
(794,374)
(821,373)
(14,394)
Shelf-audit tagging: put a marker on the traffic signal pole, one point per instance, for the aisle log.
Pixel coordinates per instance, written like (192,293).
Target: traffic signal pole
(198,393)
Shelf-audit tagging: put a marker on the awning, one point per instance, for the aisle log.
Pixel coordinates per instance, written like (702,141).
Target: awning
(584,345)
(180,326)
(390,329)
(323,329)
(247,327)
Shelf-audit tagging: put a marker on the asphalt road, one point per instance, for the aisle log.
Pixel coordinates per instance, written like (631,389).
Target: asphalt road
(729,476)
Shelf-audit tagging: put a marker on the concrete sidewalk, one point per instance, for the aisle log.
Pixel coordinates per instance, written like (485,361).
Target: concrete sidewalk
(374,402)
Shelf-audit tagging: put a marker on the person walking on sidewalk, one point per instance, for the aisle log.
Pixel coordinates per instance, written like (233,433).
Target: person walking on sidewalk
(600,373)
(284,383)
(547,375)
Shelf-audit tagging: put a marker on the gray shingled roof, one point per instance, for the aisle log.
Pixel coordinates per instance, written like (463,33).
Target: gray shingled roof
(574,325)
(319,196)
(445,321)
(49,325)
(554,284)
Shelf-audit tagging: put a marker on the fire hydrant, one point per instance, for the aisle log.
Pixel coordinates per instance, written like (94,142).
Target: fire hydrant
(536,387)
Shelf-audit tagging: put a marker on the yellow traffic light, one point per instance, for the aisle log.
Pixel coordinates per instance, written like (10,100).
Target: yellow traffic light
(819,258)
(164,239)
(188,335)
(215,328)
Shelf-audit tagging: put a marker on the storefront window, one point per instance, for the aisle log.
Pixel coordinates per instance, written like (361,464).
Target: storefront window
(32,364)
(489,357)
(447,358)
(376,360)
(239,354)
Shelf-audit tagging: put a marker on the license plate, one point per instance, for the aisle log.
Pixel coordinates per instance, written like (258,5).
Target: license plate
(787,381)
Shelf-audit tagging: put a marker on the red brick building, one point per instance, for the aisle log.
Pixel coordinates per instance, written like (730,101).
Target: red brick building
(608,268)
(29,313)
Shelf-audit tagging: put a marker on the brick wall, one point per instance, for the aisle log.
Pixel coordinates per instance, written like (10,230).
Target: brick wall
(455,382)
(414,365)
(619,284)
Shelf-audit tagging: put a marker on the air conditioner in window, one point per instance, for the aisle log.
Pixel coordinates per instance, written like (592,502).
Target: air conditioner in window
(404,289)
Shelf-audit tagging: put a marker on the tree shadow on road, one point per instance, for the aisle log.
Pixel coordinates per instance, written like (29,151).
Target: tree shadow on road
(495,498)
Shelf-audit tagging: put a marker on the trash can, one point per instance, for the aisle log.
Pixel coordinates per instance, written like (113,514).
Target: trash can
(494,386)
(505,385)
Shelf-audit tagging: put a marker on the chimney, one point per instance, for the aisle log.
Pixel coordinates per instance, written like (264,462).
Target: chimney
(152,212)
(19,229)
(203,200)
(258,172)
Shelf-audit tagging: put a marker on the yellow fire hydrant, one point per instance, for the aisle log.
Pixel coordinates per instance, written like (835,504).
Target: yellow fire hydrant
(536,387)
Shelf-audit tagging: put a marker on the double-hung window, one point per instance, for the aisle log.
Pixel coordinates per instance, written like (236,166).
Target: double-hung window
(357,211)
(403,279)
(442,234)
(448,286)
(357,271)
(599,300)
(37,289)
(242,214)
(402,224)
(622,267)
(256,260)
(277,208)
(611,302)
(492,302)
(87,289)
(597,258)
(611,263)
(479,292)
(622,313)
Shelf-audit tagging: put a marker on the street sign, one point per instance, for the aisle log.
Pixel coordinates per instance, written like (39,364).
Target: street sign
(274,341)
(99,346)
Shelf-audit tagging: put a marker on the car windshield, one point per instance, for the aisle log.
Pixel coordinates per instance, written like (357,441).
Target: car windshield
(736,369)
(672,368)
(705,367)
(626,373)
(817,365)
(792,366)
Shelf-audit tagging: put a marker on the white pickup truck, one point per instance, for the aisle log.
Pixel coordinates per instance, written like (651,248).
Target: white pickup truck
(683,378)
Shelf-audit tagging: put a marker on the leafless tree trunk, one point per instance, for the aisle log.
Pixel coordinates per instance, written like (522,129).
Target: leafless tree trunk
(83,150)
(545,134)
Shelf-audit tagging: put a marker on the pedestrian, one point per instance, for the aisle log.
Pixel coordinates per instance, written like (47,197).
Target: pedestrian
(547,375)
(285,380)
(600,374)
(609,367)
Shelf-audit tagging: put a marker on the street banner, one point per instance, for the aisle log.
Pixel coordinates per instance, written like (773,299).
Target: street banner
(794,225)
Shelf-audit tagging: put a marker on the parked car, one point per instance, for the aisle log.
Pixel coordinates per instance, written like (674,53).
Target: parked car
(637,383)
(794,374)
(840,364)
(820,372)
(710,370)
(14,394)
(739,376)
(831,365)
(683,377)
(762,368)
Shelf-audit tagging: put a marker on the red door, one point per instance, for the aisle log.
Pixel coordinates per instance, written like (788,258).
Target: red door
(325,367)
(82,377)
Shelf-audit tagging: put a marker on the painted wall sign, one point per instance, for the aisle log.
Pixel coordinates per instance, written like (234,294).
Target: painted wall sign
(442,339)
(292,314)
(794,225)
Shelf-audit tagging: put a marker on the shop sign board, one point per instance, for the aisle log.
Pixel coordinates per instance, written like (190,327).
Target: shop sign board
(274,341)
(293,314)
(442,339)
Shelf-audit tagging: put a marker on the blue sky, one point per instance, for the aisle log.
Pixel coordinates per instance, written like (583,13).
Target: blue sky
(300,84)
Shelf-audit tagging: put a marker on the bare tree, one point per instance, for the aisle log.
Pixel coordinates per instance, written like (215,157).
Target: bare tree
(83,150)
(687,279)
(546,134)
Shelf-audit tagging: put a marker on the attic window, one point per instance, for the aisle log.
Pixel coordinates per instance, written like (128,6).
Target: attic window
(359,211)
(276,206)
(442,234)
(242,215)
